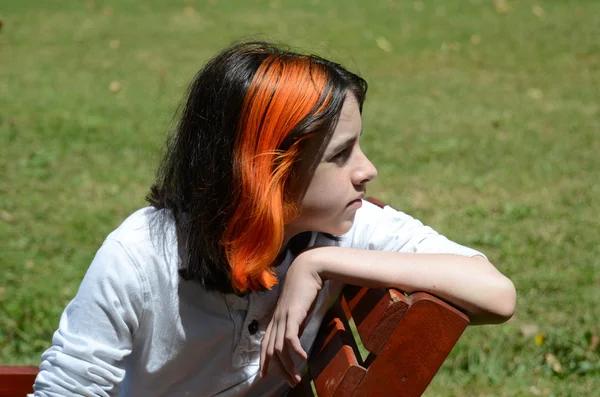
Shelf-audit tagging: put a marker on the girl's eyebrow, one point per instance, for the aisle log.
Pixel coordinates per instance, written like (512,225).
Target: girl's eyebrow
(343,145)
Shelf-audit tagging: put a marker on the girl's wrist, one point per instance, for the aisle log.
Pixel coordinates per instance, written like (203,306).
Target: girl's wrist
(314,261)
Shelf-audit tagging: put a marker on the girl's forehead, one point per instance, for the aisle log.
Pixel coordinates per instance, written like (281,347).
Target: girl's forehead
(350,110)
(349,124)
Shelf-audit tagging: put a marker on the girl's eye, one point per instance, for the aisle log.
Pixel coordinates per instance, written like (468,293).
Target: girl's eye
(343,155)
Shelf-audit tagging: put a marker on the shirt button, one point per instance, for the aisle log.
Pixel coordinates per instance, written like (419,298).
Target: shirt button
(253,327)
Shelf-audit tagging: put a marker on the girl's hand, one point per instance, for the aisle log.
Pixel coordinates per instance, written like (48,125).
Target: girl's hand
(300,289)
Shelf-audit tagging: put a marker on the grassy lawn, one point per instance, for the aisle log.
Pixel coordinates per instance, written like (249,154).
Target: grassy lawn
(483,118)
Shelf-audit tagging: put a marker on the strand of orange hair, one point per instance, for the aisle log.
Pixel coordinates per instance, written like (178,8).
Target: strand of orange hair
(282,93)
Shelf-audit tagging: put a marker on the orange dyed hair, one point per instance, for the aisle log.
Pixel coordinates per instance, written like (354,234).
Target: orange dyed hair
(283,92)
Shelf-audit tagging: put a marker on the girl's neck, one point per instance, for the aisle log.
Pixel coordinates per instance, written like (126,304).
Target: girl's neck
(294,243)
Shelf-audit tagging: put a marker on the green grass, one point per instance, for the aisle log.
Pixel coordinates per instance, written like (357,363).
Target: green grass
(485,125)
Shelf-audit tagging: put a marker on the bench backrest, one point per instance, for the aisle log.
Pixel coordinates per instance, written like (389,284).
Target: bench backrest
(407,339)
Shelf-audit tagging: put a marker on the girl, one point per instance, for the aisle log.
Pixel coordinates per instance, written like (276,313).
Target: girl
(256,220)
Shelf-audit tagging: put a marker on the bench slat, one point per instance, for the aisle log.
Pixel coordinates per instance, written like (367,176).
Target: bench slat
(336,367)
(376,313)
(416,349)
(17,381)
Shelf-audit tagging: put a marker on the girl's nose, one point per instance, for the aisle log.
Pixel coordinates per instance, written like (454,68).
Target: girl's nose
(365,173)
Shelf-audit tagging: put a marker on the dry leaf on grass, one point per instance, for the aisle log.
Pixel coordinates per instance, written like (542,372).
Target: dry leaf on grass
(538,11)
(383,44)
(535,93)
(7,216)
(108,11)
(114,87)
(553,363)
(502,6)
(162,78)
(536,391)
(450,46)
(529,330)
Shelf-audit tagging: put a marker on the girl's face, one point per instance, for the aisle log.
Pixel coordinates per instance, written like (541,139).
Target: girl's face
(339,180)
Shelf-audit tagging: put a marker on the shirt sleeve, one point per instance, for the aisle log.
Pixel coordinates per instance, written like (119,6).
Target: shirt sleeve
(95,329)
(386,229)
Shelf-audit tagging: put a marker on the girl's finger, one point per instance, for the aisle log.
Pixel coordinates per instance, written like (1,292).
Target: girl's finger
(292,337)
(283,350)
(264,361)
(280,347)
(270,345)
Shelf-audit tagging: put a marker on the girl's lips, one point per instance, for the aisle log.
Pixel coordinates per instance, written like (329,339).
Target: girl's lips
(355,204)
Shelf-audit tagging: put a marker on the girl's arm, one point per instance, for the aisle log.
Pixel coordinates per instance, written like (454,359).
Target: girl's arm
(387,248)
(95,331)
(471,283)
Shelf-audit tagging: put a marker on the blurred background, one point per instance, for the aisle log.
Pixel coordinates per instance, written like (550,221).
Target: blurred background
(483,118)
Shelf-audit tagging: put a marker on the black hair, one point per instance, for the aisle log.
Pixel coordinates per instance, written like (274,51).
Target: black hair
(195,178)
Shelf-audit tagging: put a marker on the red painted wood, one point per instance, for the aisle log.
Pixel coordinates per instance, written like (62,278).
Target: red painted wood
(341,375)
(376,313)
(334,365)
(413,337)
(350,382)
(416,349)
(17,381)
(375,201)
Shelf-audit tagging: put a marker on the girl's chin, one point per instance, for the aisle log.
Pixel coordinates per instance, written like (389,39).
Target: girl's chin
(343,228)
(336,228)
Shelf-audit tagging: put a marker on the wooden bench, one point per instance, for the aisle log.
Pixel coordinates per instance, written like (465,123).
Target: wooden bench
(407,339)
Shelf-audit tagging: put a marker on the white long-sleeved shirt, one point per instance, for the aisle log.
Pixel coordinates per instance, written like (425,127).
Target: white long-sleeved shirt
(136,328)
